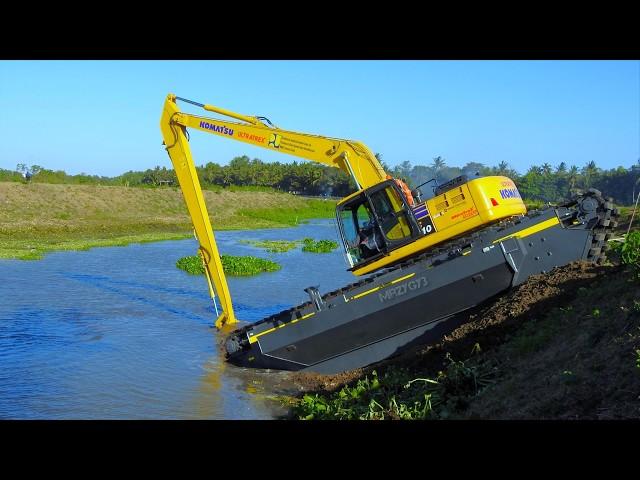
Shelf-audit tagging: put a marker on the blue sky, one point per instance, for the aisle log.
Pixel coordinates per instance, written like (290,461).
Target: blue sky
(102,117)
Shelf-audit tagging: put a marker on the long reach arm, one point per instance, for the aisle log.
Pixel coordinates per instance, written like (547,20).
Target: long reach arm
(179,152)
(350,156)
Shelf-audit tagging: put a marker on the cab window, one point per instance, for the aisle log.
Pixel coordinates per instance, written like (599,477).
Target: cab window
(361,236)
(391,212)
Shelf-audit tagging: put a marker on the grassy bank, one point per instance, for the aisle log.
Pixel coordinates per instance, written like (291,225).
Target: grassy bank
(37,218)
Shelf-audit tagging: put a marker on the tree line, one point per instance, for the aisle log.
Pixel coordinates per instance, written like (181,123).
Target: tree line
(540,182)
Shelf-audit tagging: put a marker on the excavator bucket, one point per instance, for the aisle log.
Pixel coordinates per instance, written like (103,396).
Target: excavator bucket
(420,300)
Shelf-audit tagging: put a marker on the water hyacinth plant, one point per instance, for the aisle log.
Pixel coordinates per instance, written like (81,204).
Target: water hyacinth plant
(191,264)
(272,246)
(247,265)
(280,246)
(239,266)
(319,246)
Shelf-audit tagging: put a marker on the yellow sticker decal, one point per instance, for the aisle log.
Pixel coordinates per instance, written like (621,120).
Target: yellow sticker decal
(274,140)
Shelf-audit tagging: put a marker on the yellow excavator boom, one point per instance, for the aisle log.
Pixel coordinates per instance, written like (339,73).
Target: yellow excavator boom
(351,156)
(180,154)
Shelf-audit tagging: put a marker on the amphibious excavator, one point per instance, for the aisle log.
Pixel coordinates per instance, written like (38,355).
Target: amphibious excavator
(422,262)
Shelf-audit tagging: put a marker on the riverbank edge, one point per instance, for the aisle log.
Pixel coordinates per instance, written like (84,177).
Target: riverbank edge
(38,253)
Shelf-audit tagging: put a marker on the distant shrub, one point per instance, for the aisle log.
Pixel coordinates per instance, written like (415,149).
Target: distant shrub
(630,251)
(252,188)
(10,176)
(534,204)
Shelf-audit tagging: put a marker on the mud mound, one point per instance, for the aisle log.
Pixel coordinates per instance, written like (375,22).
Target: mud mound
(316,382)
(489,324)
(580,360)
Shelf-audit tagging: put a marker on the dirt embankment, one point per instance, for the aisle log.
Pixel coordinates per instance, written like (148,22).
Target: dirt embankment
(563,345)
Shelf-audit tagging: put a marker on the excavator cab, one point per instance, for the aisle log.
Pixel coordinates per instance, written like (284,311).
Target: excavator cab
(374,221)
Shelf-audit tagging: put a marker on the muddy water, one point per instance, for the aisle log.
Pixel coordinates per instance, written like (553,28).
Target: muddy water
(121,333)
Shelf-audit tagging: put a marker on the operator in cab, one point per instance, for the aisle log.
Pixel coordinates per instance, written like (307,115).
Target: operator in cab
(406,191)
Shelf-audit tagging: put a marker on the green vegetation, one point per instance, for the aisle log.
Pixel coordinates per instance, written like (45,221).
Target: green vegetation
(534,204)
(319,246)
(239,266)
(37,218)
(191,264)
(241,174)
(308,245)
(58,211)
(544,183)
(630,251)
(272,246)
(46,241)
(399,395)
(244,266)
(627,251)
(289,214)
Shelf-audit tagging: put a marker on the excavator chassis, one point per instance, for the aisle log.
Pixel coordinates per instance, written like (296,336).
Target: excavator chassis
(420,300)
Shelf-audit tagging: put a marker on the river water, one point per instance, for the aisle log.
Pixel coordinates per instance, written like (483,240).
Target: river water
(121,333)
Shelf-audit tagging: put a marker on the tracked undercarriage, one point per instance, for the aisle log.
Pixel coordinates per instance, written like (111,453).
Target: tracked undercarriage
(419,300)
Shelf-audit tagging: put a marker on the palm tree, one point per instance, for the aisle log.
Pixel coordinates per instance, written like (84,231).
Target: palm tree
(503,168)
(546,168)
(383,164)
(534,169)
(562,168)
(573,177)
(589,171)
(403,170)
(437,165)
